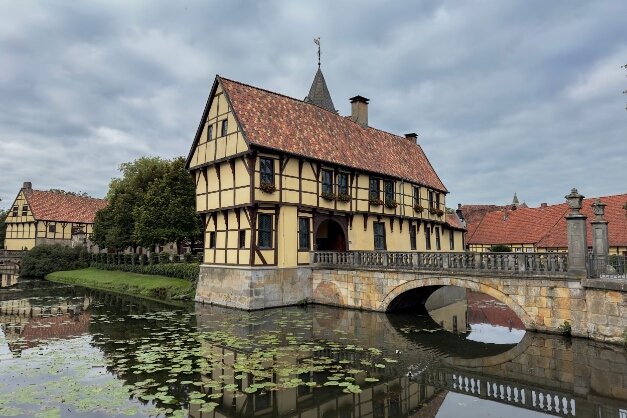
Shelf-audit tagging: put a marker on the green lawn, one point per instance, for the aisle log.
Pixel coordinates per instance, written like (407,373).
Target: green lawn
(156,287)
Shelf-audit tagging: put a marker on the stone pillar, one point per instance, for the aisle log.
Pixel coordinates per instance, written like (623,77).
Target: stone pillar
(576,230)
(600,239)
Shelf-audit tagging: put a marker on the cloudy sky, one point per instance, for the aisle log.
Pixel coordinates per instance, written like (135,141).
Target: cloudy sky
(517,96)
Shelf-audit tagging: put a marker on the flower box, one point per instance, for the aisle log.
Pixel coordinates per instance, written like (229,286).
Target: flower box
(344,197)
(418,208)
(433,211)
(375,201)
(267,187)
(391,204)
(330,196)
(439,212)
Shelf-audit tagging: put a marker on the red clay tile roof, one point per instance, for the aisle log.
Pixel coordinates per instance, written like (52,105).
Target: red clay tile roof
(614,213)
(546,227)
(50,206)
(520,226)
(453,221)
(286,124)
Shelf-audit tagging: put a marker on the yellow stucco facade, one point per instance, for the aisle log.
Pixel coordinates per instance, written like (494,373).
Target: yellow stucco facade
(279,222)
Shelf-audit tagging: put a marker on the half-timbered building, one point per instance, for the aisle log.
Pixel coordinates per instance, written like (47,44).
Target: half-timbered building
(277,177)
(44,217)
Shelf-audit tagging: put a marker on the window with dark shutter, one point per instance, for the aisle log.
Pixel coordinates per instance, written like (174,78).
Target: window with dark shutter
(327,181)
(266,169)
(52,228)
(451,239)
(14,211)
(412,237)
(430,199)
(212,240)
(303,233)
(427,238)
(379,236)
(265,231)
(24,210)
(242,239)
(210,133)
(374,188)
(225,127)
(389,191)
(437,239)
(342,183)
(416,196)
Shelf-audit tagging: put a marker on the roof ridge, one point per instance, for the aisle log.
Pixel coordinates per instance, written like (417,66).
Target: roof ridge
(69,195)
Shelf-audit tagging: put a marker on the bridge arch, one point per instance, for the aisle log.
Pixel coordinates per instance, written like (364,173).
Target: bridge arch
(433,283)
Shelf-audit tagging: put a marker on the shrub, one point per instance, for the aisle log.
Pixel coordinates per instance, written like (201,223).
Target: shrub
(500,248)
(188,257)
(199,258)
(565,329)
(143,259)
(154,258)
(128,259)
(164,257)
(179,270)
(45,259)
(134,259)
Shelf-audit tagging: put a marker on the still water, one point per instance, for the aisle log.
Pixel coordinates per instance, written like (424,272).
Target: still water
(68,351)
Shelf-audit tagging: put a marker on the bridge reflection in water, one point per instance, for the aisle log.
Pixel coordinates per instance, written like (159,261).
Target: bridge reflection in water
(541,373)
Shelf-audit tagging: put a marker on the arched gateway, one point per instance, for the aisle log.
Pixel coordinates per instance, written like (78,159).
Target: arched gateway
(330,233)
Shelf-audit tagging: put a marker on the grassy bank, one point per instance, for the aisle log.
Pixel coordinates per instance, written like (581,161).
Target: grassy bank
(156,287)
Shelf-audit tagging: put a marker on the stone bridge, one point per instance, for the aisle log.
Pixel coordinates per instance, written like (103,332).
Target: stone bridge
(537,286)
(11,256)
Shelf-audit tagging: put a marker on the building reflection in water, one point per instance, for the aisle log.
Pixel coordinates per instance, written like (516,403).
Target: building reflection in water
(8,275)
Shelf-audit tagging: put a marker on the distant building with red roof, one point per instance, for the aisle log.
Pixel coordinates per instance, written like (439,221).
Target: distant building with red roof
(544,228)
(47,217)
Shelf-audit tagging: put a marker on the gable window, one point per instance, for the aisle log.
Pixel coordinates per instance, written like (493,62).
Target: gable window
(389,190)
(303,233)
(225,127)
(437,239)
(412,237)
(374,188)
(327,181)
(379,236)
(451,240)
(242,239)
(24,210)
(210,133)
(265,231)
(14,211)
(52,228)
(212,240)
(266,170)
(416,196)
(342,183)
(427,238)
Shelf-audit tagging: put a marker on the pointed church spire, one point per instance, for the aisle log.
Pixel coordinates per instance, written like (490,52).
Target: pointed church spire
(515,202)
(319,93)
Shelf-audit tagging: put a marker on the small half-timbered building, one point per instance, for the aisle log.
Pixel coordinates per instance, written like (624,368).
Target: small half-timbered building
(44,217)
(277,177)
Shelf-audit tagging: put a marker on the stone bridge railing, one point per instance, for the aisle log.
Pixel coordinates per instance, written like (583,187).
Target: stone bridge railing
(516,263)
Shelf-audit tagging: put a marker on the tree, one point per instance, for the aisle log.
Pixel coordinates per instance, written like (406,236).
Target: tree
(168,212)
(114,225)
(3,226)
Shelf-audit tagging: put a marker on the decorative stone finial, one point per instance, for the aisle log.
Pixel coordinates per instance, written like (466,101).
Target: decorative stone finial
(574,201)
(598,208)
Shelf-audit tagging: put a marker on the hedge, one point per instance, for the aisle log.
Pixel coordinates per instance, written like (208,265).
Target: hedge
(44,259)
(186,271)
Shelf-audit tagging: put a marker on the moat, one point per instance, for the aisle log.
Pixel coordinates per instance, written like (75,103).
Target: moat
(68,351)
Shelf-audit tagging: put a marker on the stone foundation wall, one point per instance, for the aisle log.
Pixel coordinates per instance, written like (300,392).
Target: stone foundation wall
(253,288)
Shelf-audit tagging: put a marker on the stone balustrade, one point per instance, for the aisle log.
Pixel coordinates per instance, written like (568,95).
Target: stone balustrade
(523,263)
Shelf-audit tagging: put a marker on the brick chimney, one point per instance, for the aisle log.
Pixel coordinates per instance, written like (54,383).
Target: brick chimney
(413,137)
(359,110)
(543,205)
(27,187)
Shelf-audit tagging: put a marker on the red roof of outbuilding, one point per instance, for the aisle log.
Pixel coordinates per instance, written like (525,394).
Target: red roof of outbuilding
(290,125)
(51,206)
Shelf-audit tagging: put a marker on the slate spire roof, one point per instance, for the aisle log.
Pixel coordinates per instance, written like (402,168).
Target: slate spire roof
(319,93)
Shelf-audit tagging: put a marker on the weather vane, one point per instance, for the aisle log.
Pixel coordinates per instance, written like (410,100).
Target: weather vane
(317,41)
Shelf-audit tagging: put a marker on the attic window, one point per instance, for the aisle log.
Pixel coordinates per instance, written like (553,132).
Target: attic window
(24,210)
(15,211)
(225,124)
(210,133)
